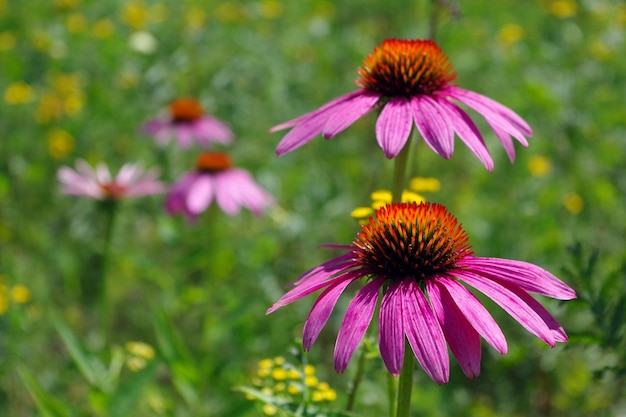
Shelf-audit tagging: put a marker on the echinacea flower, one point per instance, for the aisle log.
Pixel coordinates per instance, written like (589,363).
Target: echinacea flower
(187,122)
(410,82)
(216,178)
(98,184)
(420,257)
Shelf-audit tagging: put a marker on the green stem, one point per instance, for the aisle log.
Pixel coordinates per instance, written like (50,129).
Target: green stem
(392,393)
(399,172)
(357,378)
(406,383)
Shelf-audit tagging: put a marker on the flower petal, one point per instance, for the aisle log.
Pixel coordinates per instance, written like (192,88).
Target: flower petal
(348,112)
(433,125)
(424,333)
(475,313)
(517,303)
(499,114)
(393,126)
(200,193)
(467,132)
(463,340)
(355,322)
(320,312)
(525,275)
(314,284)
(391,329)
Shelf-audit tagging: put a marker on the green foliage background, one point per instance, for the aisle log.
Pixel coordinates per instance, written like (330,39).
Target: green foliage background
(198,292)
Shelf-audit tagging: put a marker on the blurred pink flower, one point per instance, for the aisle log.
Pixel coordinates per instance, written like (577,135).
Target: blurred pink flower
(420,256)
(215,178)
(187,121)
(410,81)
(131,181)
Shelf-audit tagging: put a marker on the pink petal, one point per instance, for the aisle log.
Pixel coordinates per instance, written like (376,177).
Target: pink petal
(332,266)
(475,313)
(348,112)
(505,140)
(314,284)
(391,329)
(424,333)
(200,193)
(515,302)
(355,322)
(525,275)
(467,132)
(300,119)
(433,125)
(499,114)
(393,126)
(208,129)
(463,340)
(320,312)
(184,134)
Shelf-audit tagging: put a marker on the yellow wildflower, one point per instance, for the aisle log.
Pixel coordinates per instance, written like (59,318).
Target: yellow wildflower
(269,409)
(20,294)
(271,9)
(76,23)
(18,93)
(140,349)
(195,18)
(7,41)
(279,374)
(563,9)
(425,184)
(311,381)
(511,33)
(539,166)
(573,203)
(103,29)
(135,15)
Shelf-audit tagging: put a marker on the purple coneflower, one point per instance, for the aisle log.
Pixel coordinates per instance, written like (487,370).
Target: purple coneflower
(410,81)
(215,178)
(187,121)
(420,256)
(131,181)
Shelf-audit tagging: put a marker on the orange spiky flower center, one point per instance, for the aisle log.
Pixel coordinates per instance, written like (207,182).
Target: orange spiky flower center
(413,240)
(184,110)
(113,190)
(406,68)
(213,162)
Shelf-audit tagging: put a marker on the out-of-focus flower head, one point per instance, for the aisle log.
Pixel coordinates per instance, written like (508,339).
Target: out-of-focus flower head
(215,178)
(98,184)
(187,122)
(420,257)
(410,81)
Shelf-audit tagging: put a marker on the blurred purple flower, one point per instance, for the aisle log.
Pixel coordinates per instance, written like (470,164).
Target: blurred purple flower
(187,121)
(409,80)
(131,181)
(215,178)
(420,256)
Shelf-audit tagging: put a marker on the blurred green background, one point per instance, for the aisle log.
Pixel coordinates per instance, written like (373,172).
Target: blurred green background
(78,77)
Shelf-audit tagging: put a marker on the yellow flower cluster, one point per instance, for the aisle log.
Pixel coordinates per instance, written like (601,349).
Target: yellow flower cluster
(278,378)
(64,97)
(379,198)
(139,354)
(16,294)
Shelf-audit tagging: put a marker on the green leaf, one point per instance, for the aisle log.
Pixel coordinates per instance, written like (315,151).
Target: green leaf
(171,346)
(47,405)
(89,365)
(127,395)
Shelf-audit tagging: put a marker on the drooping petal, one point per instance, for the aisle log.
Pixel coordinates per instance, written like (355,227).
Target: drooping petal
(200,193)
(184,134)
(499,114)
(348,112)
(509,298)
(330,267)
(424,333)
(505,140)
(314,284)
(300,119)
(525,275)
(467,132)
(475,313)
(355,322)
(209,129)
(463,340)
(391,329)
(433,125)
(320,312)
(393,126)
(310,125)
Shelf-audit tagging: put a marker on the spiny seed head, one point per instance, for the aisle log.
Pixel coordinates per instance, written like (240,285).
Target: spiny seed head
(406,68)
(213,162)
(405,240)
(184,110)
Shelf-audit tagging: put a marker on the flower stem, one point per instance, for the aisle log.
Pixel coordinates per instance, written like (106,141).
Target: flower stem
(357,378)
(399,172)
(406,383)
(392,391)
